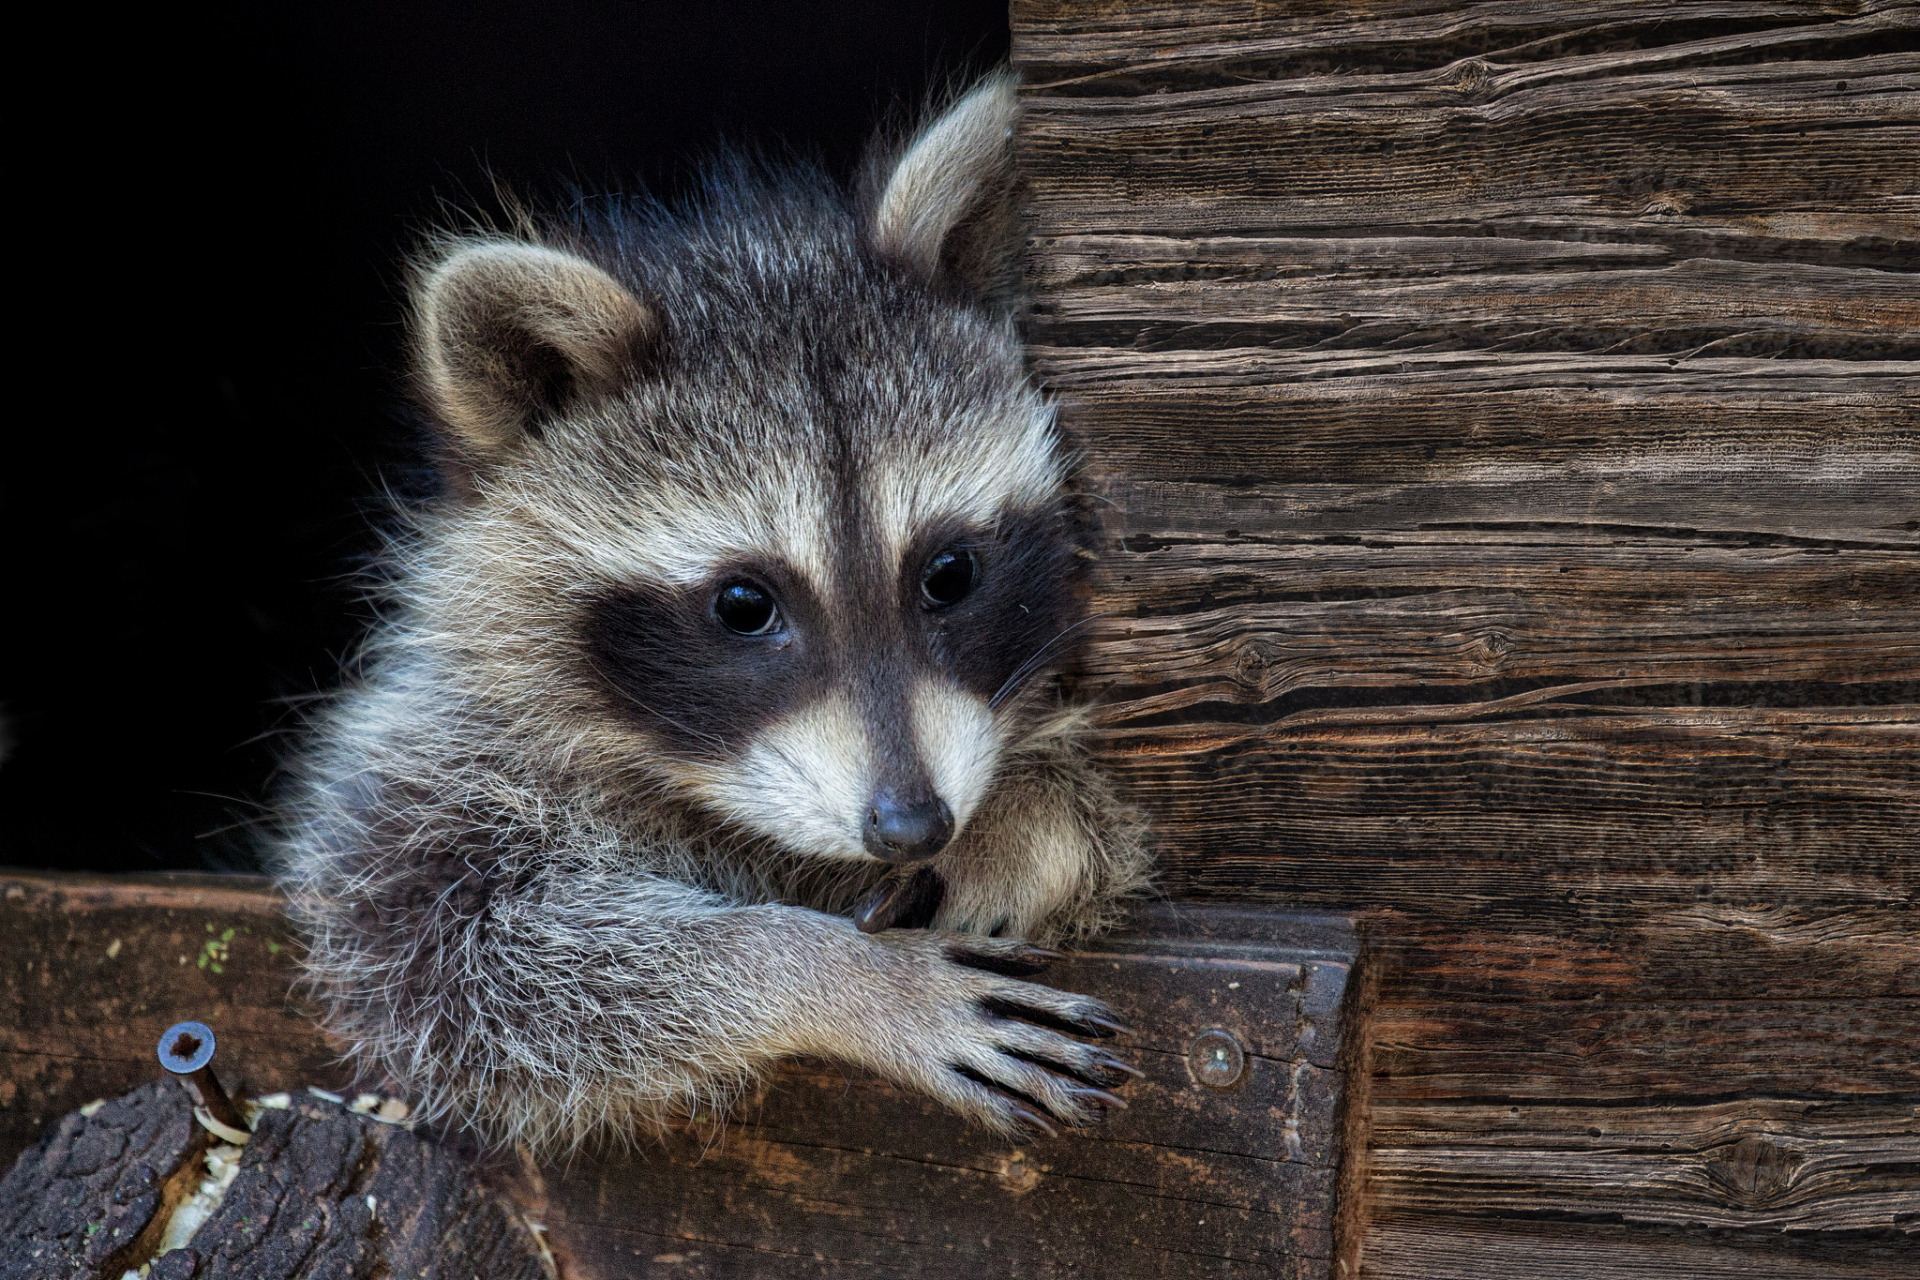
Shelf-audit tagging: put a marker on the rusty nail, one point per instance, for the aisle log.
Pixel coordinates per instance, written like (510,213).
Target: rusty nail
(186,1049)
(1216,1059)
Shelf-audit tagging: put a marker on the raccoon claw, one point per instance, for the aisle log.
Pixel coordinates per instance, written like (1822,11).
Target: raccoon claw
(1013,1056)
(1029,1099)
(1037,1065)
(901,901)
(1033,1119)
(1107,1028)
(1099,1069)
(1032,1122)
(1008,959)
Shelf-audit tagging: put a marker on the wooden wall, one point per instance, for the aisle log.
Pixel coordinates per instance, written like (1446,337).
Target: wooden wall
(1509,415)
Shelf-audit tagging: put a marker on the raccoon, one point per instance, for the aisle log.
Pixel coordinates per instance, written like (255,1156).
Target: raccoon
(713,720)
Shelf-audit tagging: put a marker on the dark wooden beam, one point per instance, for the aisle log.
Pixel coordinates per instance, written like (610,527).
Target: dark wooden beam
(826,1174)
(1227,1175)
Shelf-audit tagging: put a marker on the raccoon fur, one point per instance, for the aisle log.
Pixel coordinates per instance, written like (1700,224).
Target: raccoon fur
(737,619)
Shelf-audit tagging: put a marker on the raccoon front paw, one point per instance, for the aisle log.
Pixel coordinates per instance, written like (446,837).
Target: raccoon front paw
(1002,1051)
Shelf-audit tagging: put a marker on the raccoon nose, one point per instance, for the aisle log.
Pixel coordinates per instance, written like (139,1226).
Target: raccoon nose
(907,828)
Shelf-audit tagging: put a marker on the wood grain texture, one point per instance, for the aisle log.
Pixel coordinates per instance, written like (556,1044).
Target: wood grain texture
(1108,45)
(1752,142)
(1508,421)
(1413,1247)
(1754,1163)
(1428,809)
(1703,307)
(826,1172)
(1459,541)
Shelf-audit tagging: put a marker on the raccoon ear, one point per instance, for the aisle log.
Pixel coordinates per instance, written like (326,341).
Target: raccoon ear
(507,333)
(946,206)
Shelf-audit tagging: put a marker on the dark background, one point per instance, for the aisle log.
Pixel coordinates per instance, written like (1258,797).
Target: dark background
(213,220)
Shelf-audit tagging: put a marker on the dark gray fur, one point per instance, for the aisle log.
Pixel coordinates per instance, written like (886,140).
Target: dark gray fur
(568,852)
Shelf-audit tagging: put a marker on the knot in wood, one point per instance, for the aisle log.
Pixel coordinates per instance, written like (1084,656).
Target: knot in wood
(1470,77)
(1667,204)
(1250,669)
(1490,648)
(1754,1172)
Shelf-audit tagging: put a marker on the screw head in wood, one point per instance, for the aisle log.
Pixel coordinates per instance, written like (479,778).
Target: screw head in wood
(185,1047)
(1216,1059)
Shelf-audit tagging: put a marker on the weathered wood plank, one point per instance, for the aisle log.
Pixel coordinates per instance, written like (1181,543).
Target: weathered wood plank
(1244,444)
(1454,1247)
(821,1177)
(1077,45)
(1717,500)
(1464,566)
(1084,267)
(1373,416)
(1780,1163)
(1442,808)
(826,1172)
(1598,1060)
(1699,306)
(843,1188)
(1445,611)
(1584,949)
(1613,147)
(1627,1052)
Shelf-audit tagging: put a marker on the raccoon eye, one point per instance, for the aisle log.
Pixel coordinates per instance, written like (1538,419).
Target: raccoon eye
(947,578)
(745,609)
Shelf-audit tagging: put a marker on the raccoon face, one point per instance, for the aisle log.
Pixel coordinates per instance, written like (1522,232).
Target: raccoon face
(862,714)
(763,505)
